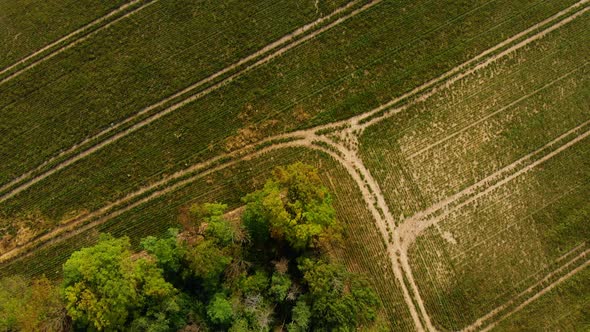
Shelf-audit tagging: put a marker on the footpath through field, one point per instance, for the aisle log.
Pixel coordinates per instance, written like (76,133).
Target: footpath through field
(72,39)
(176,101)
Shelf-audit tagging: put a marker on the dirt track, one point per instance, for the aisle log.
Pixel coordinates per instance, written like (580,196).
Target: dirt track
(77,155)
(481,321)
(406,233)
(75,41)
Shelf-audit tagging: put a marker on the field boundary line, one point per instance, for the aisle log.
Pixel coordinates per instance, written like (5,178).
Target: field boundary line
(18,185)
(482,320)
(86,32)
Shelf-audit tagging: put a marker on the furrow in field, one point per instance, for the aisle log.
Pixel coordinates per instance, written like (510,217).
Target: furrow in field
(481,321)
(72,39)
(143,117)
(413,226)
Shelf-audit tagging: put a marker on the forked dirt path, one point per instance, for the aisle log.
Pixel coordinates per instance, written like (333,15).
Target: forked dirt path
(412,227)
(96,25)
(348,157)
(359,122)
(278,48)
(375,202)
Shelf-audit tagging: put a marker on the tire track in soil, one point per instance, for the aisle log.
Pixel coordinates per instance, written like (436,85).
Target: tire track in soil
(539,294)
(96,25)
(290,38)
(498,111)
(481,321)
(413,226)
(86,221)
(368,186)
(374,198)
(362,121)
(359,122)
(303,138)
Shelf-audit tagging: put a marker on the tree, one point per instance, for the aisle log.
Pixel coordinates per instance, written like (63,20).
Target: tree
(273,274)
(341,301)
(208,262)
(301,317)
(209,217)
(254,284)
(292,206)
(279,286)
(31,305)
(220,311)
(168,252)
(105,287)
(240,325)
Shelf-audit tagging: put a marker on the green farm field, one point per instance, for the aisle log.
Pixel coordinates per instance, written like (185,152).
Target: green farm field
(452,134)
(22,21)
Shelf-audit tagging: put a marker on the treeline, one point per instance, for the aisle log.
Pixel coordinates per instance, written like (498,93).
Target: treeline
(268,270)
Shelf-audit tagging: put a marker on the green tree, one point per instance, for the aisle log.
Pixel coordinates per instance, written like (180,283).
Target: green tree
(293,206)
(301,317)
(256,283)
(105,287)
(220,311)
(209,217)
(208,262)
(240,325)
(341,301)
(27,305)
(168,252)
(279,286)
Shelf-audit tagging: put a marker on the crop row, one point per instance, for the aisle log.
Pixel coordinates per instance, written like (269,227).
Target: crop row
(482,122)
(564,308)
(30,26)
(484,253)
(193,133)
(129,66)
(461,135)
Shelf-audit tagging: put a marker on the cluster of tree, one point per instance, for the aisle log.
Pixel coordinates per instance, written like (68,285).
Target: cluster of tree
(267,271)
